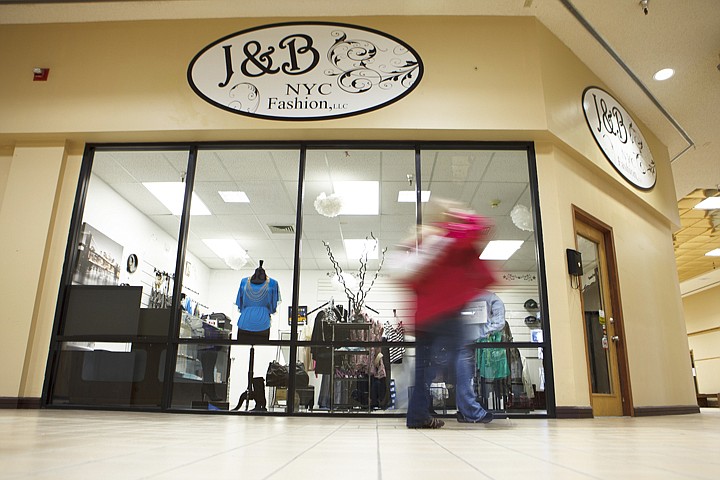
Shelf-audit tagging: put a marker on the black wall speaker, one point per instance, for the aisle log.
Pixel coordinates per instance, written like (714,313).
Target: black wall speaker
(574,261)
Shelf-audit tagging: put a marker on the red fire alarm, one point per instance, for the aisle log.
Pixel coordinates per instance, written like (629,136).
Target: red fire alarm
(40,74)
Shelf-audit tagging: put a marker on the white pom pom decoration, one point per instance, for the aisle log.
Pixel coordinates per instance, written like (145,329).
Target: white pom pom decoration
(329,205)
(236,262)
(522,217)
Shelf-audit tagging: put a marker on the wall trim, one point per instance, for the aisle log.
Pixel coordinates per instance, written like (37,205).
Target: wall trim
(573,412)
(666,410)
(20,403)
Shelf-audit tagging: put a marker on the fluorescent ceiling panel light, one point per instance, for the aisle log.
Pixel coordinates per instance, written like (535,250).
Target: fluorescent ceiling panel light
(712,203)
(356,248)
(408,196)
(234,197)
(225,247)
(172,194)
(359,197)
(663,74)
(713,253)
(500,249)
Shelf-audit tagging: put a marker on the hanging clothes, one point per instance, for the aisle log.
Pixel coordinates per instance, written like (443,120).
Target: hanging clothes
(377,366)
(395,333)
(322,331)
(492,363)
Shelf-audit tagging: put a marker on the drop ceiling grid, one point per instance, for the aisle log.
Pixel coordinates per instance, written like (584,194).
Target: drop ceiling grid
(151,166)
(697,236)
(106,167)
(453,166)
(141,198)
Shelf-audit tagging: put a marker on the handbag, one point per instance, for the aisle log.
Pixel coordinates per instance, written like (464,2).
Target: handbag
(277,375)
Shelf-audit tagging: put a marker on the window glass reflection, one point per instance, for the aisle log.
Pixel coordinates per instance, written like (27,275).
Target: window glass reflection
(237,279)
(238,276)
(109,374)
(496,185)
(355,210)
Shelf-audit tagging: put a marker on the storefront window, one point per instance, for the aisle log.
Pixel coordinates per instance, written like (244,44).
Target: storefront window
(244,272)
(351,216)
(238,275)
(122,280)
(496,185)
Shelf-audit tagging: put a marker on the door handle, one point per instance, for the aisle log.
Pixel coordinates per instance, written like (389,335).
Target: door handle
(615,338)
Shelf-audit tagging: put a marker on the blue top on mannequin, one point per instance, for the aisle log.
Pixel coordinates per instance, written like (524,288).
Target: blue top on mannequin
(257,299)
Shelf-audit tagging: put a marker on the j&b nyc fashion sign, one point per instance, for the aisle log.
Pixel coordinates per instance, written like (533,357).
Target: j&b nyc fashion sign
(305,71)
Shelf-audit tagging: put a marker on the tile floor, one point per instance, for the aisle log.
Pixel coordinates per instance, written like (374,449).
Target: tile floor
(64,444)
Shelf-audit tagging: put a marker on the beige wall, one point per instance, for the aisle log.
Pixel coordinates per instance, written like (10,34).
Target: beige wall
(483,76)
(659,363)
(702,314)
(5,162)
(27,218)
(564,79)
(489,79)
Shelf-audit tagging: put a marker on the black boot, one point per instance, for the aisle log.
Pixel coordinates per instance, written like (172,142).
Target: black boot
(243,397)
(209,393)
(258,387)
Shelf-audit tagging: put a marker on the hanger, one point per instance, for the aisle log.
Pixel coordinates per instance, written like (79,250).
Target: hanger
(318,308)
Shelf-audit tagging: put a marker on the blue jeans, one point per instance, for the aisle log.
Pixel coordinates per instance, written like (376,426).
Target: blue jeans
(450,333)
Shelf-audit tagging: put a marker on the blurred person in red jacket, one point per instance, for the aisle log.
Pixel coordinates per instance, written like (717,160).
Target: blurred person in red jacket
(445,273)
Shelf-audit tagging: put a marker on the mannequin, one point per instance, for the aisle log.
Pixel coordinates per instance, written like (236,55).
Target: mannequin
(257,299)
(492,363)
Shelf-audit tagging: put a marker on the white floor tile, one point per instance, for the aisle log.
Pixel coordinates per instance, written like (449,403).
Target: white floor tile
(60,444)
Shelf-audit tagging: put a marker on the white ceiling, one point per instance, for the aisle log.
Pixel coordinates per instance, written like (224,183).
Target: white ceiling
(621,44)
(492,182)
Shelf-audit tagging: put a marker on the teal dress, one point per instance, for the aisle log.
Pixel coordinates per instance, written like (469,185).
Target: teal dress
(492,363)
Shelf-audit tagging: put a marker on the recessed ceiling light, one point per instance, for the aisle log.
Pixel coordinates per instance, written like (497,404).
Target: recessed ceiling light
(356,248)
(663,74)
(359,197)
(408,196)
(713,253)
(500,249)
(711,203)
(225,247)
(234,196)
(172,195)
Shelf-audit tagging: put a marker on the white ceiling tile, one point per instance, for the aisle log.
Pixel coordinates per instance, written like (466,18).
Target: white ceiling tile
(453,166)
(170,224)
(507,166)
(503,195)
(249,165)
(151,166)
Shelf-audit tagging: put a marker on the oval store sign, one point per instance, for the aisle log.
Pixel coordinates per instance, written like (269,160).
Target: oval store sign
(305,71)
(619,138)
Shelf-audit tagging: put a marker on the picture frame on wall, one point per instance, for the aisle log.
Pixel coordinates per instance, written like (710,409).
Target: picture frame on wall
(98,261)
(302,315)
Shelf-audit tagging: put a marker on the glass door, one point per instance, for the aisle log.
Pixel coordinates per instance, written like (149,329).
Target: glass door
(601,333)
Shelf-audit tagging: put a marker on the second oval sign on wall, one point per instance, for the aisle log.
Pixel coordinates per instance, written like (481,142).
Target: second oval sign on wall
(619,138)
